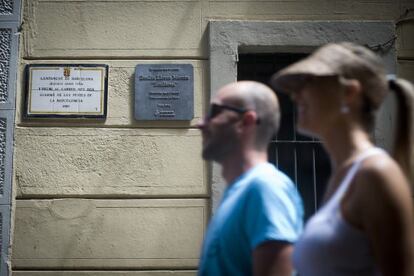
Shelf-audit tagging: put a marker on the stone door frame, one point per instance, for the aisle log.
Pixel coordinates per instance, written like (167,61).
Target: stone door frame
(228,38)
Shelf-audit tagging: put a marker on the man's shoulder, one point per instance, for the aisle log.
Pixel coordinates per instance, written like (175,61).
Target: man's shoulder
(269,177)
(274,187)
(273,209)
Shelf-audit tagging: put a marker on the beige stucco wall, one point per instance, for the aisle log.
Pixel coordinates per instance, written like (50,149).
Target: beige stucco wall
(120,194)
(108,162)
(84,233)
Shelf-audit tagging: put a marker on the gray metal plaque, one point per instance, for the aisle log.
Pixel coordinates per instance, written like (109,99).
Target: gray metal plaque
(4,238)
(3,150)
(6,7)
(5,49)
(164,92)
(6,152)
(10,10)
(8,64)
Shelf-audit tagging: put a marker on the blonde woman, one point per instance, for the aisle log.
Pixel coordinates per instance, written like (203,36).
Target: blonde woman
(365,226)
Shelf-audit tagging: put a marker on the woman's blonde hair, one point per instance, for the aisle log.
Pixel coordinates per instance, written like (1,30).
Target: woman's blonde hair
(403,150)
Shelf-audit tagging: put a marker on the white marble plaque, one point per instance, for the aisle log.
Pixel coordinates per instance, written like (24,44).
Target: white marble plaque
(66,90)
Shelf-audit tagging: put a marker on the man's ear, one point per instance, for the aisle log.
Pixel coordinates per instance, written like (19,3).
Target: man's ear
(250,118)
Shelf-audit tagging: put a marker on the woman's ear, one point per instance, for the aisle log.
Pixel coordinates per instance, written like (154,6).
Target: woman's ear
(352,91)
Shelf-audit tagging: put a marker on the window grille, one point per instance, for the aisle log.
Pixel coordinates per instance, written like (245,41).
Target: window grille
(302,158)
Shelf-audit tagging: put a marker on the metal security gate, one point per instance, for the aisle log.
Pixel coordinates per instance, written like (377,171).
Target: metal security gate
(9,34)
(302,158)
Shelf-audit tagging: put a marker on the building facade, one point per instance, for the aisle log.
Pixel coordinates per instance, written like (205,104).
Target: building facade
(123,196)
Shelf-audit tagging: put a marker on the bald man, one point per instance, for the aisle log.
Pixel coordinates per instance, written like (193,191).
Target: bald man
(260,214)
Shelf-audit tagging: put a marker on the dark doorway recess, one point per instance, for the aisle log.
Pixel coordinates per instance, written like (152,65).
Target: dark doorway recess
(302,158)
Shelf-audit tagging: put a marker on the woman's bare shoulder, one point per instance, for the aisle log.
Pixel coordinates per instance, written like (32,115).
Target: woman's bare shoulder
(381,189)
(381,174)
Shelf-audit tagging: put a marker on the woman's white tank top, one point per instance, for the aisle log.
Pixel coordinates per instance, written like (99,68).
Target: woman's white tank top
(330,245)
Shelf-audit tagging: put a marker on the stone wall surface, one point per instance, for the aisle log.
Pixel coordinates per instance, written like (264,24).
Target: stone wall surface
(406,69)
(86,233)
(108,162)
(118,196)
(172,28)
(113,28)
(107,273)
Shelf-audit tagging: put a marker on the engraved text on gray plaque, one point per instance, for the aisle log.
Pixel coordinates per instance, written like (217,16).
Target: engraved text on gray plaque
(164,92)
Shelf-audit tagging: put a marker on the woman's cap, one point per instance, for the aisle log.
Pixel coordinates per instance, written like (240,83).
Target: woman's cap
(343,60)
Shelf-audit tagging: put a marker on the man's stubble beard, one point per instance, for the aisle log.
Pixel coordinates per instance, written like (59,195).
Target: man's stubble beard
(220,149)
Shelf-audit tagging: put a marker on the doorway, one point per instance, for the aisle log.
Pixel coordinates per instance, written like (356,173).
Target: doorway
(301,157)
(229,39)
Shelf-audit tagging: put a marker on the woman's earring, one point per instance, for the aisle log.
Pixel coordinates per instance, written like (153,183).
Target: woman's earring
(344,109)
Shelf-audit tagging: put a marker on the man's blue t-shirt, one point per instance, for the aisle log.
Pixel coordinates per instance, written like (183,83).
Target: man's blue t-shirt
(261,205)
